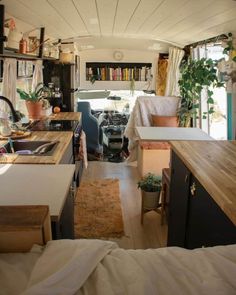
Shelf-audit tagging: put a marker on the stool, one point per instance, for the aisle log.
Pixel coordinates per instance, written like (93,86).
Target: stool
(150,202)
(165,193)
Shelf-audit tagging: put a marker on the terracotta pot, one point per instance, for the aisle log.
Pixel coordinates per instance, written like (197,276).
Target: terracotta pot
(34,109)
(150,200)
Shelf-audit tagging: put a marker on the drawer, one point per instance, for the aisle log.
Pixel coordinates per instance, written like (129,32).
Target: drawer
(23,226)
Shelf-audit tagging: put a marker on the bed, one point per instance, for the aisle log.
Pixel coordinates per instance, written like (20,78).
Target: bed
(101,267)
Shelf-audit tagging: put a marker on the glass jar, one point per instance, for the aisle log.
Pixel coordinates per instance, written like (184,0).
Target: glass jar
(5,129)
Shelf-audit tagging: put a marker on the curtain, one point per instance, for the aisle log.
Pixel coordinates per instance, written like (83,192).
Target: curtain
(38,73)
(9,83)
(161,77)
(175,57)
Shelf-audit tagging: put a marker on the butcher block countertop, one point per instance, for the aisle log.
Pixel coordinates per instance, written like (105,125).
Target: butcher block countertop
(63,138)
(213,163)
(65,116)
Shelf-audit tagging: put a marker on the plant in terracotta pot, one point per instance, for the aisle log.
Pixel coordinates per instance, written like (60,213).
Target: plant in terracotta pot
(150,185)
(33,100)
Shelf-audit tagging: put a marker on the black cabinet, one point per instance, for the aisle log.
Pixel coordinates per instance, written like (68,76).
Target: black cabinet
(195,219)
(178,203)
(207,224)
(64,227)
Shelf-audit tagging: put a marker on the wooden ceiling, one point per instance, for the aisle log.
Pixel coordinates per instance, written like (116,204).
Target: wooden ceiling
(178,22)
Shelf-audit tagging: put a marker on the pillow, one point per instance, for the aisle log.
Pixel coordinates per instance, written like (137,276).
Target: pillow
(165,121)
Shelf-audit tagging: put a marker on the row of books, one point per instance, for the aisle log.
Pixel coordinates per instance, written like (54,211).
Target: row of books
(118,74)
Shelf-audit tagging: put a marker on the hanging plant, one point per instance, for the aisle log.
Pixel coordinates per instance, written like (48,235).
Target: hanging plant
(229,48)
(196,75)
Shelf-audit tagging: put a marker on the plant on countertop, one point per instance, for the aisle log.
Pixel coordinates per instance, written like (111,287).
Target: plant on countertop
(150,183)
(34,96)
(196,75)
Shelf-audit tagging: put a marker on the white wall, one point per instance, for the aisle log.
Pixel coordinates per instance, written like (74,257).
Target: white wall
(106,55)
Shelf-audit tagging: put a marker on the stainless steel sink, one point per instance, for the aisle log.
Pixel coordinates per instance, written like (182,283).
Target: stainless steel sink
(29,148)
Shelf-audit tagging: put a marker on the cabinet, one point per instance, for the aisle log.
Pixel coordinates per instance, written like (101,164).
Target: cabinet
(64,227)
(117,71)
(23,226)
(195,219)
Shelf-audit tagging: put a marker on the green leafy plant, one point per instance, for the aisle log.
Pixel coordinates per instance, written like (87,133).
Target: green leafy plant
(150,183)
(229,46)
(35,95)
(196,75)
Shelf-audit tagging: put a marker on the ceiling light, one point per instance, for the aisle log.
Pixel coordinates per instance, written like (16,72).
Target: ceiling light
(86,46)
(154,46)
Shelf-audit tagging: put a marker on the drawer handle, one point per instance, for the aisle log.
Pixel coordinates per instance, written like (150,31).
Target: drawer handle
(193,189)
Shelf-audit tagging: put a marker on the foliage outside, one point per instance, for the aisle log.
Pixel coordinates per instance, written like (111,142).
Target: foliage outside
(33,96)
(196,75)
(150,183)
(229,48)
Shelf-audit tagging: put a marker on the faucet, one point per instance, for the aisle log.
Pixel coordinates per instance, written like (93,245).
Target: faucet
(15,116)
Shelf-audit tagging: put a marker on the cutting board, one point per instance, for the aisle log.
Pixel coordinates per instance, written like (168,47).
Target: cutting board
(16,135)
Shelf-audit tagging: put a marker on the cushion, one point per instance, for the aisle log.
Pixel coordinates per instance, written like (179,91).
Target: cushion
(164,121)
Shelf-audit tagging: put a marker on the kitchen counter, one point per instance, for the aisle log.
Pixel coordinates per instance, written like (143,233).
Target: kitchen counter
(31,185)
(213,164)
(66,116)
(64,139)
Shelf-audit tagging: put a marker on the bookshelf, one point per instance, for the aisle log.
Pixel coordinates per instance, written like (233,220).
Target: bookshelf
(110,71)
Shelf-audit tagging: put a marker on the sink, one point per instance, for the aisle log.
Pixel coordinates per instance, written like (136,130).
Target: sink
(28,147)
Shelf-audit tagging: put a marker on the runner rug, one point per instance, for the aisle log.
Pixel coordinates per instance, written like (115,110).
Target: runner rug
(98,211)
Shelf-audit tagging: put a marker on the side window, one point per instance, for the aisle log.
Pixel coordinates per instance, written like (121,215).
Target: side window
(216,124)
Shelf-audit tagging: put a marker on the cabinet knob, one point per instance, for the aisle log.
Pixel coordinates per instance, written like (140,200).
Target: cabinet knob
(186,178)
(193,188)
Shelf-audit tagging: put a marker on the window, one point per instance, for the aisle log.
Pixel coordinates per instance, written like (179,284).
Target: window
(216,124)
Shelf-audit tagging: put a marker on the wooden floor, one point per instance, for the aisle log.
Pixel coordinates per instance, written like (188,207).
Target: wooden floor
(149,235)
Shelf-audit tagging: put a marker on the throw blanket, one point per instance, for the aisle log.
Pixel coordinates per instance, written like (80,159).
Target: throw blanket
(83,149)
(99,267)
(144,107)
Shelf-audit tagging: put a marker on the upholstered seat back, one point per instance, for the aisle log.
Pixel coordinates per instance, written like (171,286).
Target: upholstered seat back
(91,127)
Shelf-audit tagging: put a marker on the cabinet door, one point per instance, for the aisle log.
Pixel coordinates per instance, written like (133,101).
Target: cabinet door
(207,224)
(178,205)
(64,228)
(67,217)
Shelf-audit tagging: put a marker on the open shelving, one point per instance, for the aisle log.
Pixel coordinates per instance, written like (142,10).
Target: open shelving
(110,71)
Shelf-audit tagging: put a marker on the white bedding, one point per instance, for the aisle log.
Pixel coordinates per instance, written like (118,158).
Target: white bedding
(141,116)
(100,267)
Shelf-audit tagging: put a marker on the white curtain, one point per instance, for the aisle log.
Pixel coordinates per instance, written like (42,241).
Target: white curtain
(175,57)
(9,83)
(38,73)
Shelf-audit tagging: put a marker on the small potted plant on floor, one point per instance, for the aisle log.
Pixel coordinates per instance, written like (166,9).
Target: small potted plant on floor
(150,185)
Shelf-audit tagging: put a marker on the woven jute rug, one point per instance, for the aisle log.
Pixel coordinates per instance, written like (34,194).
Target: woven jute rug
(98,211)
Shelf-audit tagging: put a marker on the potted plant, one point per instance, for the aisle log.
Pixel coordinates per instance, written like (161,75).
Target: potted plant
(33,100)
(150,185)
(196,75)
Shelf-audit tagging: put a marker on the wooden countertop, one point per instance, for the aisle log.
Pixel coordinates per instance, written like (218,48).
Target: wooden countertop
(66,116)
(213,164)
(171,133)
(63,138)
(31,185)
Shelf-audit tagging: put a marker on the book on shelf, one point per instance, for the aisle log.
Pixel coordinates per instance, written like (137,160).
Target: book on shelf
(118,72)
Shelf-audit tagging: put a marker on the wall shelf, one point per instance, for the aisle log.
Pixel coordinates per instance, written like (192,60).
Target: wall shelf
(112,71)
